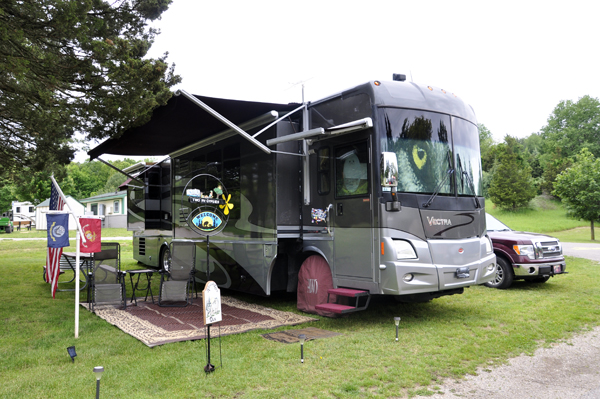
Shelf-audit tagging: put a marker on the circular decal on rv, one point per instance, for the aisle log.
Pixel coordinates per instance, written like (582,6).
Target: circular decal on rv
(205,205)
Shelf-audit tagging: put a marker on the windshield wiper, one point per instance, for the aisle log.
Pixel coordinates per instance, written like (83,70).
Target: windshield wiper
(472,187)
(438,188)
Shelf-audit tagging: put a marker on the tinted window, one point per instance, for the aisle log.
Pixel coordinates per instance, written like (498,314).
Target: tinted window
(351,170)
(468,160)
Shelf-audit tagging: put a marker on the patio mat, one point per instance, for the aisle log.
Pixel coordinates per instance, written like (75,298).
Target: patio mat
(291,336)
(155,325)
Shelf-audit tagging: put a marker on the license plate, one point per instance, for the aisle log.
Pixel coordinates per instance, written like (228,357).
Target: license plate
(557,269)
(462,272)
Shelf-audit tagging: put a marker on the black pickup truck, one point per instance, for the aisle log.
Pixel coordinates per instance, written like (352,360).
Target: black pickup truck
(523,256)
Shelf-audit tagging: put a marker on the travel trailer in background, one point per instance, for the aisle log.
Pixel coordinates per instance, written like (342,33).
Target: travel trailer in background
(372,191)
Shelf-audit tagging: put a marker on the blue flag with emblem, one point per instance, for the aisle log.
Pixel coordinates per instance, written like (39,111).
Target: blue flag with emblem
(58,230)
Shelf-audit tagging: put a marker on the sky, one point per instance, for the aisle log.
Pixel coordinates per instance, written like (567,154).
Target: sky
(512,61)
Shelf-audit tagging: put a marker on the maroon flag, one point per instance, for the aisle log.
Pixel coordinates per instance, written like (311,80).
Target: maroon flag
(91,231)
(54,254)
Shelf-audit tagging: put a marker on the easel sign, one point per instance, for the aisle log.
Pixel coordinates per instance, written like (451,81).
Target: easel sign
(211,295)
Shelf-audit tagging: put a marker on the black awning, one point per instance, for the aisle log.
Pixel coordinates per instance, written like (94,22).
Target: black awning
(180,123)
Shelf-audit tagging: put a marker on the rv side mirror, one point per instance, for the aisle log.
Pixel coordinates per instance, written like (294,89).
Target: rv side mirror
(389,170)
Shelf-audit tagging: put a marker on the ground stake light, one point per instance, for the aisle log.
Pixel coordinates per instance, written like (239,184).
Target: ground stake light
(302,338)
(72,353)
(397,321)
(98,371)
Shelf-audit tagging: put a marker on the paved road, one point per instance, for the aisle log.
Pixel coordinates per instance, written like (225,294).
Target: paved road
(588,251)
(567,370)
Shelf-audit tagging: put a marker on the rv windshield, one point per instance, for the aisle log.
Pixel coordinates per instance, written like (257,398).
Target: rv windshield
(422,142)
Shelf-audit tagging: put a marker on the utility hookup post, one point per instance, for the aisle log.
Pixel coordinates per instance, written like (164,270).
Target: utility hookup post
(211,295)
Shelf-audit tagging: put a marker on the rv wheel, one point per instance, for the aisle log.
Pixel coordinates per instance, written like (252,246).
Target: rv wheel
(314,279)
(165,259)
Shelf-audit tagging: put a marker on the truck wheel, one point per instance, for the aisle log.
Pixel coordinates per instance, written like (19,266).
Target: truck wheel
(504,275)
(165,259)
(314,279)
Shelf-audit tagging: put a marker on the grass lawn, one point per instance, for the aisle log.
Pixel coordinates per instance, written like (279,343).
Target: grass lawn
(447,337)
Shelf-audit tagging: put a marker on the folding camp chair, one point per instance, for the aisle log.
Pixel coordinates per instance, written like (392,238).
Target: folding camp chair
(107,280)
(176,283)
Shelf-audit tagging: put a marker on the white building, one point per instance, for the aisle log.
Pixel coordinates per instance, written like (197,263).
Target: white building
(111,207)
(42,209)
(23,213)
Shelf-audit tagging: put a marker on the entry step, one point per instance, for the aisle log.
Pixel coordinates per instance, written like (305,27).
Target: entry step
(339,308)
(347,292)
(336,308)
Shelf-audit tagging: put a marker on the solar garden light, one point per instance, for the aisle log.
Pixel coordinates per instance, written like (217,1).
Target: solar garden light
(302,338)
(72,353)
(397,321)
(98,371)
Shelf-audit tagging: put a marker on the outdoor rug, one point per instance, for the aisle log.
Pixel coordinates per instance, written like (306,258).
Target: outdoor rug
(291,336)
(155,325)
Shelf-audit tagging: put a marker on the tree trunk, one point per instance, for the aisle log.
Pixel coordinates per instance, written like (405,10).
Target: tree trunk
(593,235)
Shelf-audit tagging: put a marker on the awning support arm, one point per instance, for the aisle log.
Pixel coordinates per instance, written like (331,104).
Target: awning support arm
(279,119)
(120,171)
(223,120)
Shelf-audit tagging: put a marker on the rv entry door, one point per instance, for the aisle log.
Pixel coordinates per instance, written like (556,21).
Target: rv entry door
(353,244)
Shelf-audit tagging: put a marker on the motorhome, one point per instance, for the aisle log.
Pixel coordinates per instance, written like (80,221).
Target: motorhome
(376,189)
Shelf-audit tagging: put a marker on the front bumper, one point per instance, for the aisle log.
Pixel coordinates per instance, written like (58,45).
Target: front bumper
(539,269)
(433,278)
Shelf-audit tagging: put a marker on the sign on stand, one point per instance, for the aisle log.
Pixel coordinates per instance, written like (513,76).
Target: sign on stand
(211,295)
(205,206)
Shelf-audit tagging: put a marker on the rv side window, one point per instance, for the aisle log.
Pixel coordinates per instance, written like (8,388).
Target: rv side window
(323,168)
(351,165)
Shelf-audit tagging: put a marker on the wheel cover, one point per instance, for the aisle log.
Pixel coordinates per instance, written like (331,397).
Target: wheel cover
(314,279)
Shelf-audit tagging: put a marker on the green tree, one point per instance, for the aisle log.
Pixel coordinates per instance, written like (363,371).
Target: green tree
(579,188)
(6,194)
(486,144)
(511,186)
(75,66)
(573,126)
(554,166)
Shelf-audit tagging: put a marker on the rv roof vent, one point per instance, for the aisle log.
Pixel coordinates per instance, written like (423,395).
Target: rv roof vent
(399,77)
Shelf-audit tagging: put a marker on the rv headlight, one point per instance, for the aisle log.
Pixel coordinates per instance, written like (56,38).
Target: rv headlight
(488,244)
(404,250)
(525,250)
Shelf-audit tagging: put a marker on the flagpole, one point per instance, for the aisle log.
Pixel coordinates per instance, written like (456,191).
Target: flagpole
(77,260)
(77,254)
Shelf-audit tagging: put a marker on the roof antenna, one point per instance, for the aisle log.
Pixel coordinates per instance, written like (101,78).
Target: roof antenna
(411,79)
(302,83)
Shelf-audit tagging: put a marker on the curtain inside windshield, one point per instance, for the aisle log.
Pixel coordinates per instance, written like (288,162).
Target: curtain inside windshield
(421,141)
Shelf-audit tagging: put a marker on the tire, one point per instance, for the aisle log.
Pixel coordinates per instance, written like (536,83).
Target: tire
(165,259)
(504,275)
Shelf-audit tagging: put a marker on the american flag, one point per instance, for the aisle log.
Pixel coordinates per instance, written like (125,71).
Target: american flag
(54,254)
